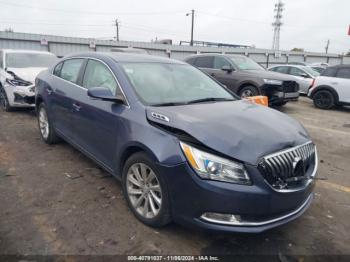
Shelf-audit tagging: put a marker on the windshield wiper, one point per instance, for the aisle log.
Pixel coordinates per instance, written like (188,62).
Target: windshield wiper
(210,99)
(170,104)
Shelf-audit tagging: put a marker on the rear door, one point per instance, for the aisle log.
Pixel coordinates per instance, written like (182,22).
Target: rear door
(97,121)
(343,84)
(64,87)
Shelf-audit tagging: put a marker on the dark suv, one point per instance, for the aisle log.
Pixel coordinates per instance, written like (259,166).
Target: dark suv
(246,78)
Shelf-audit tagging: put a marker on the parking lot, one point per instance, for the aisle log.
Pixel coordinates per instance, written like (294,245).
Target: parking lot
(54,200)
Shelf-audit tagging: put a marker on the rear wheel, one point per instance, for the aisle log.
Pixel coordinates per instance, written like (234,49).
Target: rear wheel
(145,191)
(248,91)
(5,105)
(47,132)
(324,99)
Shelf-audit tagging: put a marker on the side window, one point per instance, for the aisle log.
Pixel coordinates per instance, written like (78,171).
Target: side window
(205,61)
(191,60)
(344,73)
(329,72)
(282,69)
(296,71)
(98,75)
(219,62)
(70,69)
(57,69)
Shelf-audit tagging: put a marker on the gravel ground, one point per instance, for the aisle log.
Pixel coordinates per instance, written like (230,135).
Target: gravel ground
(55,201)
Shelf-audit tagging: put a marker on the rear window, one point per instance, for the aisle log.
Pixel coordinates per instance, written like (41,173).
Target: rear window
(329,72)
(191,60)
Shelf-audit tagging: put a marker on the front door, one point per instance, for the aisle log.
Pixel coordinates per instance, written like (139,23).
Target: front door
(97,121)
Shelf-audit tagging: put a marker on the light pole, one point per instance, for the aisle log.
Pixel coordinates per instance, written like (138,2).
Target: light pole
(192,12)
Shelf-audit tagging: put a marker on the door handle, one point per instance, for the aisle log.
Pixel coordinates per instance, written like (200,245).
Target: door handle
(76,107)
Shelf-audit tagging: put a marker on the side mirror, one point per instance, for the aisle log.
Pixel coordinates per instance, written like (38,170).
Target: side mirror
(305,75)
(227,68)
(103,93)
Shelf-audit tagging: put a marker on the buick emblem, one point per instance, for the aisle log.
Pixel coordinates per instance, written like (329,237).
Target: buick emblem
(298,167)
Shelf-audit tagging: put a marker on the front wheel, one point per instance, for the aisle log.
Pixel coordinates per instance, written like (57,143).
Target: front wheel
(145,191)
(324,99)
(47,132)
(5,105)
(248,91)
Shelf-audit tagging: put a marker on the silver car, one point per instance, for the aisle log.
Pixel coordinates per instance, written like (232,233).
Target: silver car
(304,75)
(18,69)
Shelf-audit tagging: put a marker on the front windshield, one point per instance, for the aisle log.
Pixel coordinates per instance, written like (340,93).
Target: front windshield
(311,71)
(245,63)
(24,60)
(161,83)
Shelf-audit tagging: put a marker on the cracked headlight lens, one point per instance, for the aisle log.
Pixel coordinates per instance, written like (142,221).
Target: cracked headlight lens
(209,166)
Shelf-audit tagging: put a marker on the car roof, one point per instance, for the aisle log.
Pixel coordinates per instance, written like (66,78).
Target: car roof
(25,51)
(126,57)
(289,65)
(212,54)
(340,66)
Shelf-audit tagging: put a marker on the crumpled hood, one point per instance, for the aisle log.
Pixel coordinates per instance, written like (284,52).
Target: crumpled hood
(27,74)
(270,75)
(239,129)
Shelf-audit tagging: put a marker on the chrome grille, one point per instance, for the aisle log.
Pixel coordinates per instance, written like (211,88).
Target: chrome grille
(280,169)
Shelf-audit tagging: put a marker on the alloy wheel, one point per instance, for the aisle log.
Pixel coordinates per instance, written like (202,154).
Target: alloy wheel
(323,99)
(246,93)
(144,190)
(43,123)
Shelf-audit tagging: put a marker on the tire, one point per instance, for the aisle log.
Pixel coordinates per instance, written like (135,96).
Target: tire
(324,99)
(248,91)
(141,199)
(4,102)
(279,104)
(47,132)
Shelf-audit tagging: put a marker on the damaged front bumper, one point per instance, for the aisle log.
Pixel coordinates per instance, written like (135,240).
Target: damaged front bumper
(21,96)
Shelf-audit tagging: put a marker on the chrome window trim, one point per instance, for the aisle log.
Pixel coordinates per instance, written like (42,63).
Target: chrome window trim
(81,87)
(262,222)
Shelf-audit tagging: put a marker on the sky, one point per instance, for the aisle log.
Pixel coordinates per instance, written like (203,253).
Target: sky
(307,24)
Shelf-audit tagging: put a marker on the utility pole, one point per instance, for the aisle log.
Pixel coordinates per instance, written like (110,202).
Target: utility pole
(117,29)
(327,46)
(277,25)
(192,13)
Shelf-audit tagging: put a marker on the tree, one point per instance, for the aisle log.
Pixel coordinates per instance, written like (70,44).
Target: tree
(348,53)
(296,49)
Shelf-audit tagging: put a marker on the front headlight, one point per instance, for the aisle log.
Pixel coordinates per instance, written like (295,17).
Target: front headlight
(17,82)
(212,167)
(273,82)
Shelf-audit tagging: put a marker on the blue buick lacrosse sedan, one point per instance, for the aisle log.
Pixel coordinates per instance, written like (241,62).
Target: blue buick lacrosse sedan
(185,148)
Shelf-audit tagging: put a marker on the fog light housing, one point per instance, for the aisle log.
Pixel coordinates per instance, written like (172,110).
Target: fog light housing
(220,218)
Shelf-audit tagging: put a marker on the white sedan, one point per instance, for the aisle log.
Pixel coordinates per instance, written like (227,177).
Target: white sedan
(304,75)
